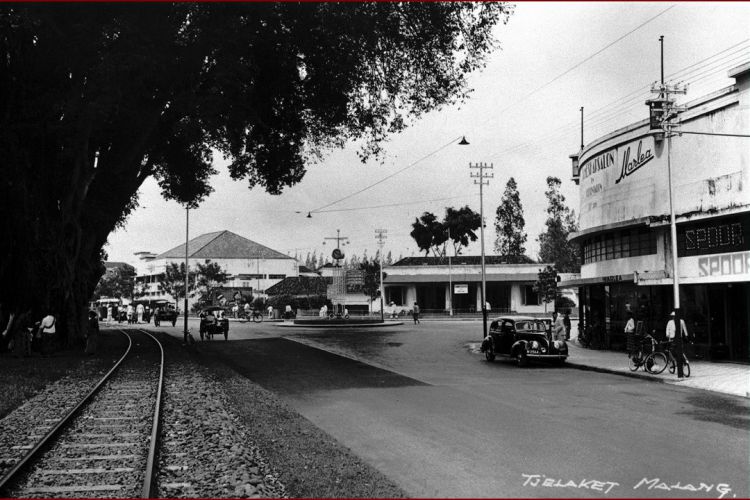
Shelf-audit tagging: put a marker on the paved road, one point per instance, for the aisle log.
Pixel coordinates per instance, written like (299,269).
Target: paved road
(422,406)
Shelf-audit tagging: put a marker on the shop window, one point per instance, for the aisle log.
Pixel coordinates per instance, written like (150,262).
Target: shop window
(619,245)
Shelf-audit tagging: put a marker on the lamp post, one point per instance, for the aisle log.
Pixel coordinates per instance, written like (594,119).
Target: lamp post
(479,178)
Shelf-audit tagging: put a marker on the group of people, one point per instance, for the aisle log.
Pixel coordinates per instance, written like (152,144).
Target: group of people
(25,339)
(561,326)
(670,330)
(137,314)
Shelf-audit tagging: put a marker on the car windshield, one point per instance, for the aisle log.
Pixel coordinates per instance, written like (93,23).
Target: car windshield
(529,326)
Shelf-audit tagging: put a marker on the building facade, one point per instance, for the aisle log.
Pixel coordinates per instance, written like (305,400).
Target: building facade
(438,286)
(625,225)
(252,267)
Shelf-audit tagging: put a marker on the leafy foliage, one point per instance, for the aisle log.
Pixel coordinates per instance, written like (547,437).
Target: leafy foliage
(98,97)
(432,235)
(209,276)
(546,285)
(561,221)
(173,280)
(509,226)
(118,283)
(371,286)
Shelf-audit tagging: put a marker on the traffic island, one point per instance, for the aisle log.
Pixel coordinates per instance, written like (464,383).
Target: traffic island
(338,323)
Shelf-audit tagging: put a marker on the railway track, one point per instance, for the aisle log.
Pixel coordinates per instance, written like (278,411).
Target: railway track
(105,446)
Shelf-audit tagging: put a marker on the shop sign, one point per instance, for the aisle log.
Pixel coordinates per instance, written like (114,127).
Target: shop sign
(460,289)
(620,184)
(613,279)
(727,265)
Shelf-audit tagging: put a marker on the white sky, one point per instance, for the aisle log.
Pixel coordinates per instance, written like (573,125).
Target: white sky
(515,119)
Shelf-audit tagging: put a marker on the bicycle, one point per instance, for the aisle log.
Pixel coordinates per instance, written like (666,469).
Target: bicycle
(653,362)
(672,361)
(254,316)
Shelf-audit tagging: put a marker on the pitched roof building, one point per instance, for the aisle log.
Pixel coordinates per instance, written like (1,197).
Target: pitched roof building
(251,267)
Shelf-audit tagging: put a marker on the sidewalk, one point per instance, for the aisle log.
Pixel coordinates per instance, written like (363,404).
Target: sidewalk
(727,378)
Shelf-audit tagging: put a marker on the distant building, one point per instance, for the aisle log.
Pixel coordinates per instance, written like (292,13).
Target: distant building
(624,225)
(428,280)
(251,267)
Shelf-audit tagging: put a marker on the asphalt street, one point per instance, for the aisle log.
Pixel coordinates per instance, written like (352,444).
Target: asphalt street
(424,407)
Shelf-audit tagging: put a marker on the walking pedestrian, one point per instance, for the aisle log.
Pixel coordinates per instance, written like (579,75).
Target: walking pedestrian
(139,310)
(270,312)
(129,312)
(415,313)
(287,311)
(109,313)
(566,322)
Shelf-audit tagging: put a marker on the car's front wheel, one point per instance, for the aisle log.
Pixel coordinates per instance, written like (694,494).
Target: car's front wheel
(521,358)
(489,354)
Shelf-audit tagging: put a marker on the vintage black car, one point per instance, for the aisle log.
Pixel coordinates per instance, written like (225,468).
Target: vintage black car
(164,311)
(522,338)
(214,322)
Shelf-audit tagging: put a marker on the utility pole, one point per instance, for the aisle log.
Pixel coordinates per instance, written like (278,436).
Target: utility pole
(664,110)
(381,241)
(479,178)
(450,275)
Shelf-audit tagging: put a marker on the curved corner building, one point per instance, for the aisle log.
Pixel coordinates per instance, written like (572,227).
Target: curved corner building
(625,226)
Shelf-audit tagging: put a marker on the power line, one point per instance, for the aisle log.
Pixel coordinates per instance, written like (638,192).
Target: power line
(387,177)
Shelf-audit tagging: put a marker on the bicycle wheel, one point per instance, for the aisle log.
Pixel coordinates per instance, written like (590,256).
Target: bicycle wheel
(257,318)
(635,361)
(685,366)
(656,362)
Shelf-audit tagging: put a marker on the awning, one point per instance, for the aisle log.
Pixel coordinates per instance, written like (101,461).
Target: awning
(598,280)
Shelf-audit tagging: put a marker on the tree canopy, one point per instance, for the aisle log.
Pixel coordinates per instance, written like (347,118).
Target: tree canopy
(509,226)
(554,246)
(98,97)
(457,227)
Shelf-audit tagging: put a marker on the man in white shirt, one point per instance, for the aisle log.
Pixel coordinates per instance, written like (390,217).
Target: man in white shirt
(671,328)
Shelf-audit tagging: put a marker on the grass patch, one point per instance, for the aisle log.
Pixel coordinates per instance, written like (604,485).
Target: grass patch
(22,378)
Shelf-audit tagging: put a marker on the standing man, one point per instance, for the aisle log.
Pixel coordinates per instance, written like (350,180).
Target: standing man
(671,328)
(415,313)
(139,309)
(566,322)
(558,329)
(630,333)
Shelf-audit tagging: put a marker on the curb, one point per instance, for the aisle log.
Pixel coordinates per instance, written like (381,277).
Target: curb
(641,376)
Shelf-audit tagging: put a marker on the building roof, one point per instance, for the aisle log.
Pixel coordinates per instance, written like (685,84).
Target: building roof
(299,285)
(473,260)
(459,277)
(222,245)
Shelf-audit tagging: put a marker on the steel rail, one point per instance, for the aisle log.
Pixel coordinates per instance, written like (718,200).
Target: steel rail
(148,481)
(57,429)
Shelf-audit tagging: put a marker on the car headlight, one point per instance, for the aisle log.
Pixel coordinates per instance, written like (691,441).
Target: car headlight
(544,350)
(534,344)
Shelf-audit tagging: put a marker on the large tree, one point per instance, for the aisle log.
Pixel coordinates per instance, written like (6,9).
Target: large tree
(98,97)
(509,226)
(554,246)
(209,277)
(457,228)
